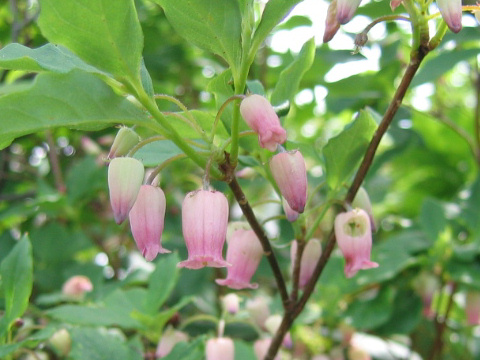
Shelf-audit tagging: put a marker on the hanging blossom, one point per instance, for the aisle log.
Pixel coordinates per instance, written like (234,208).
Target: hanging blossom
(147,220)
(346,9)
(362,201)
(289,171)
(261,117)
(204,226)
(354,237)
(244,252)
(310,256)
(451,11)
(221,348)
(125,176)
(331,23)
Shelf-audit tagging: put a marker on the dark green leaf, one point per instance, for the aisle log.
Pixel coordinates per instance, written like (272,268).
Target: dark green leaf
(432,218)
(74,100)
(16,273)
(194,350)
(104,33)
(157,152)
(343,152)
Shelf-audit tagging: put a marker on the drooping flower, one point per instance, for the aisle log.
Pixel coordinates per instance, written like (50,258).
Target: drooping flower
(426,284)
(125,176)
(147,219)
(204,226)
(451,11)
(346,9)
(231,303)
(244,252)
(472,307)
(290,174)
(124,141)
(362,201)
(261,117)
(76,287)
(61,342)
(291,214)
(395,3)
(311,254)
(169,339)
(331,23)
(354,238)
(221,348)
(258,310)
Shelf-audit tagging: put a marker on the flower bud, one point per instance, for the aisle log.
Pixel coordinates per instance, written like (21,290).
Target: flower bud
(355,353)
(261,117)
(258,310)
(291,214)
(244,252)
(221,348)
(426,284)
(169,339)
(362,201)
(147,219)
(290,174)
(472,307)
(260,348)
(346,9)
(311,254)
(231,303)
(61,342)
(76,287)
(125,176)
(451,11)
(354,237)
(125,140)
(204,226)
(394,4)
(331,23)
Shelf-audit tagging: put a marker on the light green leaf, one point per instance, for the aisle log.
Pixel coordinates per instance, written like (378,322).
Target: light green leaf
(49,57)
(30,342)
(161,282)
(194,350)
(204,119)
(157,152)
(104,33)
(274,12)
(432,218)
(289,80)
(344,151)
(16,272)
(213,25)
(99,344)
(74,100)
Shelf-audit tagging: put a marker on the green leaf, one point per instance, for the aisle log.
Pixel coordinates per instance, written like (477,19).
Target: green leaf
(205,120)
(161,282)
(432,218)
(99,344)
(371,313)
(274,12)
(406,314)
(344,151)
(213,25)
(30,342)
(442,63)
(157,152)
(289,79)
(74,100)
(49,57)
(16,272)
(104,33)
(194,350)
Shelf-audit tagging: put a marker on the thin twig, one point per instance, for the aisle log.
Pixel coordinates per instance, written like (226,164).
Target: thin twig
(55,164)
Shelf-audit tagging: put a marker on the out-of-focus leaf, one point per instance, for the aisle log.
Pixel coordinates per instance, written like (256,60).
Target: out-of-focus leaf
(344,151)
(84,180)
(194,350)
(30,342)
(213,25)
(294,22)
(74,100)
(289,79)
(432,218)
(161,282)
(157,152)
(105,34)
(16,272)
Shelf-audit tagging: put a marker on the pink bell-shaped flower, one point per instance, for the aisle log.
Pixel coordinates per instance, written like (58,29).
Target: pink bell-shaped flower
(346,9)
(244,252)
(451,11)
(147,219)
(221,348)
(331,23)
(125,140)
(354,237)
(259,310)
(472,307)
(362,201)
(231,303)
(395,3)
(310,255)
(290,174)
(125,176)
(204,226)
(291,214)
(261,117)
(169,339)
(260,348)
(76,287)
